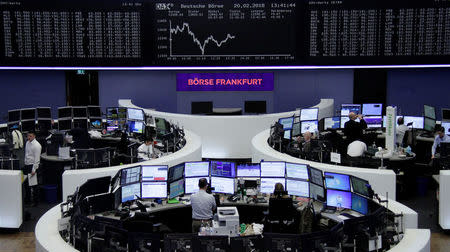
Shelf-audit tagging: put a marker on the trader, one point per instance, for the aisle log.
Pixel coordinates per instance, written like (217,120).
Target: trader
(440,138)
(32,159)
(353,130)
(279,192)
(203,204)
(401,130)
(145,151)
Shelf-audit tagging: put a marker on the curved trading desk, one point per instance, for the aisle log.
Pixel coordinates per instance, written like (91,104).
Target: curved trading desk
(228,136)
(192,151)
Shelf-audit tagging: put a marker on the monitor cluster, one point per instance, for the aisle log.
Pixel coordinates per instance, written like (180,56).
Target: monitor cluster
(87,117)
(30,119)
(296,125)
(129,119)
(158,181)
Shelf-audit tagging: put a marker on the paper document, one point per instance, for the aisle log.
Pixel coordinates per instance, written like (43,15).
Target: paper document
(32,180)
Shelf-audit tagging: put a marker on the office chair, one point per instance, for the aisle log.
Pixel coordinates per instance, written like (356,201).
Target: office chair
(281,215)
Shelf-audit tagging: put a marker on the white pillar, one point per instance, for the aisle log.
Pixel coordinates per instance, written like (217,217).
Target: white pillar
(391,123)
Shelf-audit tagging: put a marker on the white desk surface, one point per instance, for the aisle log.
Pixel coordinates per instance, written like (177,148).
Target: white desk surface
(10,199)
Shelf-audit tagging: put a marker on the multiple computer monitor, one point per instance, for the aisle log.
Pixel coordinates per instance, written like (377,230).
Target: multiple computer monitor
(26,119)
(120,118)
(337,190)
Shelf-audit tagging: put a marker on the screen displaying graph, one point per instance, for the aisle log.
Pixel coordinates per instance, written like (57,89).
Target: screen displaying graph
(224,32)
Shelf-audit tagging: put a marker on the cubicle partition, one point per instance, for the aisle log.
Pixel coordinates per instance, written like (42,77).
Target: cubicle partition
(192,151)
(229,136)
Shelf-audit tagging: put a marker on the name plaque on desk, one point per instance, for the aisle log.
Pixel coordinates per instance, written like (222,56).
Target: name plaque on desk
(225,82)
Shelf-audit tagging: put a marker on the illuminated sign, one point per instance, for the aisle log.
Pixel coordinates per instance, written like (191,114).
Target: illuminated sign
(225,82)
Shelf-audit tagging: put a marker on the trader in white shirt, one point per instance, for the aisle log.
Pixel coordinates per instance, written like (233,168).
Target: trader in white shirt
(145,151)
(203,204)
(440,138)
(401,130)
(32,159)
(356,149)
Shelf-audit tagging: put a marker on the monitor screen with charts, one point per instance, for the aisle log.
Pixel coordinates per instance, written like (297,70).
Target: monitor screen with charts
(374,121)
(154,190)
(176,188)
(154,172)
(337,181)
(340,199)
(249,170)
(309,114)
(268,184)
(297,171)
(287,134)
(429,111)
(287,122)
(297,188)
(176,172)
(417,121)
(273,169)
(316,176)
(347,108)
(130,175)
(311,126)
(296,129)
(372,109)
(446,126)
(191,184)
(196,169)
(223,169)
(359,204)
(135,114)
(316,192)
(360,186)
(429,124)
(131,192)
(332,123)
(222,185)
(136,127)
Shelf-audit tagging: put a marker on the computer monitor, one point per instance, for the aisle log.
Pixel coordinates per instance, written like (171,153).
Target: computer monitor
(372,109)
(44,112)
(94,111)
(79,112)
(222,185)
(444,149)
(249,170)
(445,114)
(154,172)
(176,188)
(446,126)
(80,123)
(95,123)
(332,123)
(136,127)
(287,134)
(429,124)
(116,113)
(316,176)
(65,112)
(255,107)
(28,125)
(28,114)
(359,204)
(135,114)
(112,125)
(223,169)
(179,242)
(347,108)
(161,124)
(337,181)
(44,124)
(418,121)
(268,184)
(429,111)
(337,198)
(14,115)
(311,126)
(282,242)
(191,184)
(130,175)
(345,119)
(129,192)
(316,192)
(360,186)
(196,169)
(374,121)
(154,190)
(296,129)
(297,171)
(64,124)
(273,169)
(297,188)
(309,114)
(176,172)
(287,122)
(201,107)
(247,243)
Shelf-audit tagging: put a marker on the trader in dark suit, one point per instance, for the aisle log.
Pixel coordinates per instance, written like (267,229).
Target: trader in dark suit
(353,130)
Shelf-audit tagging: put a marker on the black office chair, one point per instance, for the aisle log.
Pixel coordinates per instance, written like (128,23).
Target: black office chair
(179,242)
(144,242)
(281,216)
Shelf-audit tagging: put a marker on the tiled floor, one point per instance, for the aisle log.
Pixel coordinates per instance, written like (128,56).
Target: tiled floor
(17,242)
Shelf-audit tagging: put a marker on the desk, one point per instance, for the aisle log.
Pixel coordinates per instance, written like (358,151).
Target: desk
(10,199)
(395,157)
(227,111)
(52,169)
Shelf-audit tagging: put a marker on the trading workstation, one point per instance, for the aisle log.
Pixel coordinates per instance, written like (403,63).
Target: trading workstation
(147,208)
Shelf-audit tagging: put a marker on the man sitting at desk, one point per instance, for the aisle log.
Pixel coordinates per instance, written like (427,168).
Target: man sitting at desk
(145,151)
(401,130)
(203,204)
(353,130)
(440,138)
